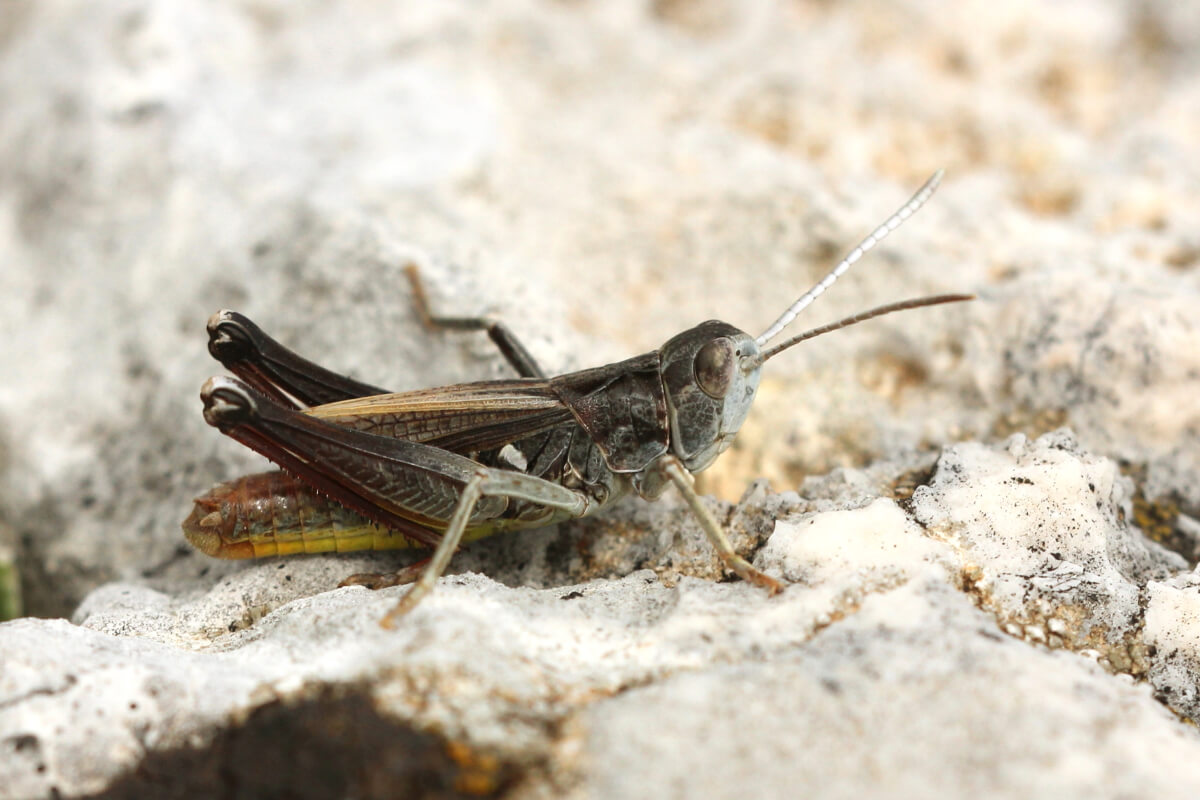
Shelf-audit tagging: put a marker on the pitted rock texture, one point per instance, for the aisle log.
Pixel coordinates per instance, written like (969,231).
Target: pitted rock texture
(987,512)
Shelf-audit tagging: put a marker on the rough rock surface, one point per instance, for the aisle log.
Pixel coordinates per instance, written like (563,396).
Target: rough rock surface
(987,513)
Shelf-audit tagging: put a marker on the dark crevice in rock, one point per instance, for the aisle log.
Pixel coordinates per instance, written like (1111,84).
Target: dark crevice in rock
(42,691)
(1167,519)
(331,743)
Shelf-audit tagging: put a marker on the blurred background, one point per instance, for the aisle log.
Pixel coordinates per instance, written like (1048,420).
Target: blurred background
(601,175)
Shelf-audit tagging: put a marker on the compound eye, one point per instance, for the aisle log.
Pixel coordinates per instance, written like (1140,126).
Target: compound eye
(714,367)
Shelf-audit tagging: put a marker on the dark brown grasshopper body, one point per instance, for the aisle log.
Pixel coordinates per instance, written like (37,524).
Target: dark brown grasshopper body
(434,467)
(594,432)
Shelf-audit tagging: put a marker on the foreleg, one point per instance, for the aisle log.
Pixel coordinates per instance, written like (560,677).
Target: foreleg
(674,469)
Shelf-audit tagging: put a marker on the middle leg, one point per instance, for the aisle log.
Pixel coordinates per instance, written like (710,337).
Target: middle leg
(510,346)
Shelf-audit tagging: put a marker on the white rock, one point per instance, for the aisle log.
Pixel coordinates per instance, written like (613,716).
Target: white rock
(602,176)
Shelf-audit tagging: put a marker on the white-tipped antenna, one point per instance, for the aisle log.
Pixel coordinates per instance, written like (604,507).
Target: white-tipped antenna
(894,221)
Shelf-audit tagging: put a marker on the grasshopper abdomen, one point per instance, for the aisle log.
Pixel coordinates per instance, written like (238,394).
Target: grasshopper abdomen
(270,514)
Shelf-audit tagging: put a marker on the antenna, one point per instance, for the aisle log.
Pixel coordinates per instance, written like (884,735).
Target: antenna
(863,316)
(894,221)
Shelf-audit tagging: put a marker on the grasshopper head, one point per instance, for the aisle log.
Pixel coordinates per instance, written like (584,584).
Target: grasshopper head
(710,373)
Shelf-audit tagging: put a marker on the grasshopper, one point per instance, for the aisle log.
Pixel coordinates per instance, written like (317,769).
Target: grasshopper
(367,469)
